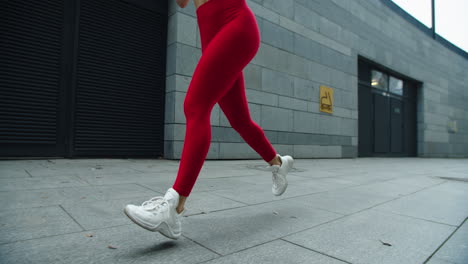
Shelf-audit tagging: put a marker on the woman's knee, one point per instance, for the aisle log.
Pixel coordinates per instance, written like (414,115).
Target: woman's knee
(242,124)
(194,109)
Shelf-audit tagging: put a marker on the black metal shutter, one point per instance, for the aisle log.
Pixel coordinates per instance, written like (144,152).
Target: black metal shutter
(120,79)
(30,59)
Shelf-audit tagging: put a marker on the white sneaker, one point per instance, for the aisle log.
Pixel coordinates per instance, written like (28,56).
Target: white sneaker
(280,183)
(158,214)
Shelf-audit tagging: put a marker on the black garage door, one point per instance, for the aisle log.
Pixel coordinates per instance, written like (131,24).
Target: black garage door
(387,112)
(82,78)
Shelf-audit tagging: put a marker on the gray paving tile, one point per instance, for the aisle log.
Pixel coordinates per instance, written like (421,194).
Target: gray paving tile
(19,168)
(28,183)
(151,161)
(455,250)
(68,167)
(265,179)
(77,163)
(155,169)
(344,181)
(153,165)
(21,163)
(224,173)
(322,184)
(307,173)
(132,243)
(361,178)
(434,260)
(13,173)
(21,224)
(343,201)
(45,197)
(240,164)
(442,203)
(213,184)
(319,168)
(420,181)
(158,185)
(201,185)
(108,213)
(358,238)
(159,178)
(386,188)
(101,214)
(217,169)
(85,170)
(261,193)
(277,251)
(205,202)
(457,188)
(233,230)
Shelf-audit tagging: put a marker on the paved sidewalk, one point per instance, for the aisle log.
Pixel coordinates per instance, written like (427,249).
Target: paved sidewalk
(365,210)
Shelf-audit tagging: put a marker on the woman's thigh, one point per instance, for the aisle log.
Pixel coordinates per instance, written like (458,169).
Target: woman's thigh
(234,103)
(223,59)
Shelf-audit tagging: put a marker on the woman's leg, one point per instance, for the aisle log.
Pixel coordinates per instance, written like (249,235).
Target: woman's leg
(230,50)
(235,106)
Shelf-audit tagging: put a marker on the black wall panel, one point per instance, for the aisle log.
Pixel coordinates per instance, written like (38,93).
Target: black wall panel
(120,80)
(30,66)
(82,78)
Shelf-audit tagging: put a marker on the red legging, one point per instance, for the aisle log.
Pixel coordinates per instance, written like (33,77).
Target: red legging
(230,38)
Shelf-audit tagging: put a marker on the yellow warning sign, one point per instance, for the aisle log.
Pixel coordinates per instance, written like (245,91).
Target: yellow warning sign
(326,99)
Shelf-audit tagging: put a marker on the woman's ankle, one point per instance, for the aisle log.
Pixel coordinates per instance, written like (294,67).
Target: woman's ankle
(179,209)
(276,161)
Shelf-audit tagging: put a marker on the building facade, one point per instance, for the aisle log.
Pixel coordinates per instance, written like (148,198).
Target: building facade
(397,91)
(347,78)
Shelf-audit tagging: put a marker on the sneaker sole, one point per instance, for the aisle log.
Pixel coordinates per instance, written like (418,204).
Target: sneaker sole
(153,229)
(279,194)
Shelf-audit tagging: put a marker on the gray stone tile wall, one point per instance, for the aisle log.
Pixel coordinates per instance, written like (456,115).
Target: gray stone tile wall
(308,43)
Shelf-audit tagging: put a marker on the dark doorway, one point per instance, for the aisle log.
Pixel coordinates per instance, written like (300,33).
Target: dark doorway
(82,78)
(387,112)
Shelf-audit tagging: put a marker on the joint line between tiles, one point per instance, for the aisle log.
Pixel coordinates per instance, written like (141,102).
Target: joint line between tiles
(445,241)
(319,252)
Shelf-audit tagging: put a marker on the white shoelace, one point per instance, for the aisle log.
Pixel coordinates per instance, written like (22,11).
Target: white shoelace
(153,203)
